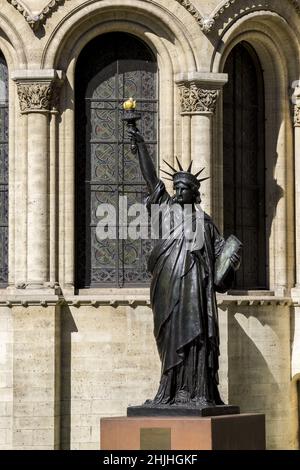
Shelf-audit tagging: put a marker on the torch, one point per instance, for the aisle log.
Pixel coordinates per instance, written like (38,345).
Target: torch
(131,116)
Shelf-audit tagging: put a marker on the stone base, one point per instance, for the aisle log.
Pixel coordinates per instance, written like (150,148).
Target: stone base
(182,411)
(235,432)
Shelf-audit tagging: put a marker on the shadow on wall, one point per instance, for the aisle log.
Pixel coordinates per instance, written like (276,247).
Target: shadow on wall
(255,360)
(68,327)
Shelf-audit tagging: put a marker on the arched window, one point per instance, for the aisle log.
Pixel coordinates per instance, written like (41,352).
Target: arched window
(3,172)
(110,69)
(244,163)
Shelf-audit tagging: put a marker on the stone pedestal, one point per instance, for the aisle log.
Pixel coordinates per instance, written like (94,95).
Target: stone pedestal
(234,432)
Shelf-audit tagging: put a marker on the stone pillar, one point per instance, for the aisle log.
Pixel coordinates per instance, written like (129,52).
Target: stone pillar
(297,183)
(35,307)
(37,91)
(199,93)
(53,219)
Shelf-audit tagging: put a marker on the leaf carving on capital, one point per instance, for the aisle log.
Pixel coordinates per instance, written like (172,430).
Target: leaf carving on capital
(36,19)
(195,99)
(297,115)
(185,98)
(35,96)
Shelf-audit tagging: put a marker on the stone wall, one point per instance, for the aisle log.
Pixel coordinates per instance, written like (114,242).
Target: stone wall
(68,358)
(6,378)
(109,361)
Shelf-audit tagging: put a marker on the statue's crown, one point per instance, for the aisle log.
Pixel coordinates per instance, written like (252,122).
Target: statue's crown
(186,177)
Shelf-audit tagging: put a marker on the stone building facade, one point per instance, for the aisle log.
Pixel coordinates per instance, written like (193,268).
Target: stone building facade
(218,83)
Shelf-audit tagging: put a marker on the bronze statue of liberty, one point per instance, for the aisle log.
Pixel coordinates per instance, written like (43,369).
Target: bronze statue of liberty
(183,289)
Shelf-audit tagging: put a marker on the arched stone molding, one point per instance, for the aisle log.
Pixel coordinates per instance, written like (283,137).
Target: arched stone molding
(205,23)
(13,49)
(173,32)
(36,20)
(11,43)
(276,46)
(173,51)
(229,11)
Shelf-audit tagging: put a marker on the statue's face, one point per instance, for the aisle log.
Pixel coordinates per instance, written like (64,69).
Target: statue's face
(184,194)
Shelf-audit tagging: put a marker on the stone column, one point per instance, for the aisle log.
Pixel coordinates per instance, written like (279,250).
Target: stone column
(199,93)
(297,183)
(36,91)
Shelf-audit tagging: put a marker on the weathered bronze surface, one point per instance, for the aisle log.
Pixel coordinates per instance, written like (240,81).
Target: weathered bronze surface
(183,291)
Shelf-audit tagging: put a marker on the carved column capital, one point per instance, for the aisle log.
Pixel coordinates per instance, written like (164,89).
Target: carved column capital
(194,98)
(38,91)
(35,96)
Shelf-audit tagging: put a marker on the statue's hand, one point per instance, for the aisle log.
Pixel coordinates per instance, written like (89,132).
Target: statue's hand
(235,261)
(135,135)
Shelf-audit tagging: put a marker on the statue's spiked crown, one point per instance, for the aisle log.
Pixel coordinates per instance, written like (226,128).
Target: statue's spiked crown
(185,177)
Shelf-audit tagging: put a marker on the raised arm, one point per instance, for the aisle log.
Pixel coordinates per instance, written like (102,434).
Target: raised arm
(146,164)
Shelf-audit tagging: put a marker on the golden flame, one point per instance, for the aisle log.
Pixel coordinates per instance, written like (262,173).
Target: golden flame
(129,104)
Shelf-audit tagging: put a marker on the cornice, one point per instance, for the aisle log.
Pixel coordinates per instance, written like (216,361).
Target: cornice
(132,301)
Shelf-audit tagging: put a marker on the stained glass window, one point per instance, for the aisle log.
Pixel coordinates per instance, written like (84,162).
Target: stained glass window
(244,164)
(110,69)
(3,172)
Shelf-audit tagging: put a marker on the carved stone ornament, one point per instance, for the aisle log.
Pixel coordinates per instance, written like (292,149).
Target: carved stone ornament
(207,23)
(36,20)
(36,96)
(253,5)
(195,99)
(297,115)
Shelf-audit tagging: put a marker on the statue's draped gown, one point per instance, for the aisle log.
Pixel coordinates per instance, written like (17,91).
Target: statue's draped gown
(184,308)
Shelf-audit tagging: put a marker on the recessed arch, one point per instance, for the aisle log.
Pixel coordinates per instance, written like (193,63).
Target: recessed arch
(150,20)
(106,170)
(275,32)
(267,33)
(244,163)
(11,44)
(70,37)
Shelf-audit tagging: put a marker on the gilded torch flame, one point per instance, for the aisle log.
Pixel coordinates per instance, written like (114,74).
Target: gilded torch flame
(129,104)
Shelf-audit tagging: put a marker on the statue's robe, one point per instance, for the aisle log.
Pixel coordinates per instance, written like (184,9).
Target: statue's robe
(184,307)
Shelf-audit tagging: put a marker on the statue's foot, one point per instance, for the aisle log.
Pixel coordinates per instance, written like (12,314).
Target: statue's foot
(148,403)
